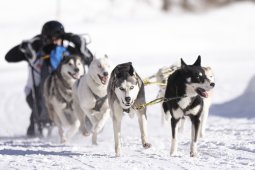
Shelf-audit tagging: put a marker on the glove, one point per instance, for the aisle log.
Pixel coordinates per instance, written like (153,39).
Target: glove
(27,49)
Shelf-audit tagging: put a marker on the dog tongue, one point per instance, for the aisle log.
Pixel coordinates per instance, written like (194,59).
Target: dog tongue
(76,76)
(202,92)
(104,79)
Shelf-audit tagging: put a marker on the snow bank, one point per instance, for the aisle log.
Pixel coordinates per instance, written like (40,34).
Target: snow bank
(242,106)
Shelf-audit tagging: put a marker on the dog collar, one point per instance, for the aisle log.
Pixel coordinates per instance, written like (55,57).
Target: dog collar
(126,110)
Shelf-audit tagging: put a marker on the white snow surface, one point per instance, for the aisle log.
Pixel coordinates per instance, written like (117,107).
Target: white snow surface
(137,32)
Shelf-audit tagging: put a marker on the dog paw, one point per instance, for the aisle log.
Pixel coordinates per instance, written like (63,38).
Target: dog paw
(173,153)
(117,154)
(63,141)
(86,134)
(193,154)
(146,145)
(95,143)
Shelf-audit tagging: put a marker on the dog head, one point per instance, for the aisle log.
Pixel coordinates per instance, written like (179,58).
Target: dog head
(210,77)
(71,67)
(126,85)
(196,79)
(99,70)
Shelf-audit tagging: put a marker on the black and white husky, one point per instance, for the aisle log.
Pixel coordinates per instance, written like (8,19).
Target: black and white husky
(59,97)
(187,93)
(126,90)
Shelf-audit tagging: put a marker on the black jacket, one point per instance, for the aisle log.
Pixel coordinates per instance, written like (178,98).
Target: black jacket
(79,47)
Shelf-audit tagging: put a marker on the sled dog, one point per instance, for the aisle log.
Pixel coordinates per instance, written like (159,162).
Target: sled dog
(207,101)
(90,97)
(126,90)
(188,87)
(161,77)
(59,97)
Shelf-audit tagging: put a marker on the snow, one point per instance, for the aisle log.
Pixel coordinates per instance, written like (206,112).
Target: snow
(128,31)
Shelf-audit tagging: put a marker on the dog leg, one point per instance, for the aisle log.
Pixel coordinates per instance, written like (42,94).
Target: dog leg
(116,119)
(81,116)
(102,121)
(73,129)
(194,135)
(90,114)
(142,120)
(50,130)
(203,122)
(203,119)
(99,126)
(181,125)
(60,129)
(174,141)
(94,138)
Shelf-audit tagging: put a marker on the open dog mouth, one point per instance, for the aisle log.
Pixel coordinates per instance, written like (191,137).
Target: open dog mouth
(128,104)
(103,79)
(202,92)
(74,75)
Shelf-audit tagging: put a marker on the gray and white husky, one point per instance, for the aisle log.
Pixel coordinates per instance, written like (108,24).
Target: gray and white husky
(188,90)
(90,97)
(125,91)
(59,97)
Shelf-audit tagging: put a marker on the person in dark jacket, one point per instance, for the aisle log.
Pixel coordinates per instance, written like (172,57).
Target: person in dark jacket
(43,54)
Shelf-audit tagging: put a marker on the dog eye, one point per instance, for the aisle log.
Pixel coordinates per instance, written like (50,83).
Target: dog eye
(131,87)
(99,66)
(70,64)
(122,89)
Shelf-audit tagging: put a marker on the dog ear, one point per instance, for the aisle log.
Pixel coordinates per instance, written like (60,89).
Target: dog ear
(183,64)
(131,70)
(198,61)
(65,57)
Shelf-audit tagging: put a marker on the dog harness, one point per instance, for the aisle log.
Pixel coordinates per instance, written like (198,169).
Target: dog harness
(99,101)
(194,103)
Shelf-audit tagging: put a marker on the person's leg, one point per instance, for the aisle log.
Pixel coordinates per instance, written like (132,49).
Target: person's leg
(31,127)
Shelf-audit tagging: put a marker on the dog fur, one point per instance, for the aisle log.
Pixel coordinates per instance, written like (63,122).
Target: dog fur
(126,90)
(90,98)
(59,98)
(161,77)
(190,85)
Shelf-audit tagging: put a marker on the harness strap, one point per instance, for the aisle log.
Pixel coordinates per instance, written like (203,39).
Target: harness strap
(99,101)
(157,100)
(190,106)
(147,82)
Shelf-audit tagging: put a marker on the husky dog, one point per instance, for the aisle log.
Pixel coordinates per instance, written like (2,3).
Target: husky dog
(59,97)
(186,91)
(126,90)
(90,98)
(161,77)
(207,101)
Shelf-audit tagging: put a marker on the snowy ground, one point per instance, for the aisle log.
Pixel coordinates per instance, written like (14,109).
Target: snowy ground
(224,38)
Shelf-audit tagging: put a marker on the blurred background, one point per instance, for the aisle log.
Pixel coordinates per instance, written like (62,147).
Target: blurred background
(150,33)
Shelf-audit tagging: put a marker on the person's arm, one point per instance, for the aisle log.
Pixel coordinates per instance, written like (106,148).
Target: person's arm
(80,46)
(15,55)
(24,51)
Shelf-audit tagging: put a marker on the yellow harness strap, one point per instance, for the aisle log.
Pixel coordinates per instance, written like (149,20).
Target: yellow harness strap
(46,57)
(142,106)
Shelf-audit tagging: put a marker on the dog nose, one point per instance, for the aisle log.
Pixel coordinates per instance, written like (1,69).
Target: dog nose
(105,73)
(128,99)
(212,84)
(76,70)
